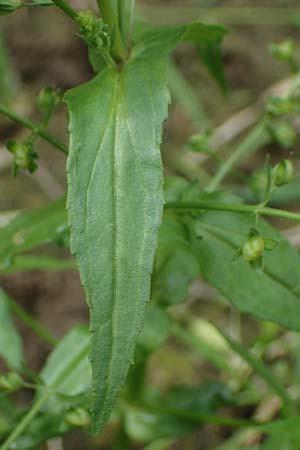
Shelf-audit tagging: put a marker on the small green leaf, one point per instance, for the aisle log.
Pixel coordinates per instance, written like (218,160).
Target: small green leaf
(67,368)
(10,340)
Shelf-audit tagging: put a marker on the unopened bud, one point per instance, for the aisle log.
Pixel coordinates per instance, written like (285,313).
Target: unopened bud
(282,173)
(24,156)
(78,417)
(253,248)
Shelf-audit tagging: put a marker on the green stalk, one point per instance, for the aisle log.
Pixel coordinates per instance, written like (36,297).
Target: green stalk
(201,346)
(35,128)
(259,367)
(66,8)
(238,208)
(257,138)
(110,17)
(131,23)
(33,324)
(198,417)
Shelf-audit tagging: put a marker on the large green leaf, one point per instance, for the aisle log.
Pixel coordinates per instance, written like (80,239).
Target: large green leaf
(115,198)
(10,340)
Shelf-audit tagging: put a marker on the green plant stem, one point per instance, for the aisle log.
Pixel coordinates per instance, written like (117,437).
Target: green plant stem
(256,139)
(35,128)
(22,425)
(131,23)
(238,208)
(110,17)
(201,346)
(201,417)
(66,8)
(259,367)
(33,324)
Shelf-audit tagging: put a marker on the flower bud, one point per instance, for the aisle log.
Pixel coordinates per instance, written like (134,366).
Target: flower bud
(201,143)
(253,248)
(24,156)
(282,173)
(47,100)
(9,6)
(78,417)
(10,381)
(284,133)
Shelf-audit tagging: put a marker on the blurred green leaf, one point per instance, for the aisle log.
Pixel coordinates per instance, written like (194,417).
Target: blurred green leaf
(169,418)
(67,376)
(211,56)
(68,368)
(31,229)
(176,263)
(155,330)
(160,444)
(7,84)
(282,434)
(10,340)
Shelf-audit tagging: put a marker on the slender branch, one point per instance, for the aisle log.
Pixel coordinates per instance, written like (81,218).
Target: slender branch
(257,365)
(201,417)
(201,346)
(238,208)
(256,139)
(35,128)
(30,321)
(66,8)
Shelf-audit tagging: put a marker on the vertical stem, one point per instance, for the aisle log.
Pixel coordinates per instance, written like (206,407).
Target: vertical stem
(131,23)
(110,16)
(122,19)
